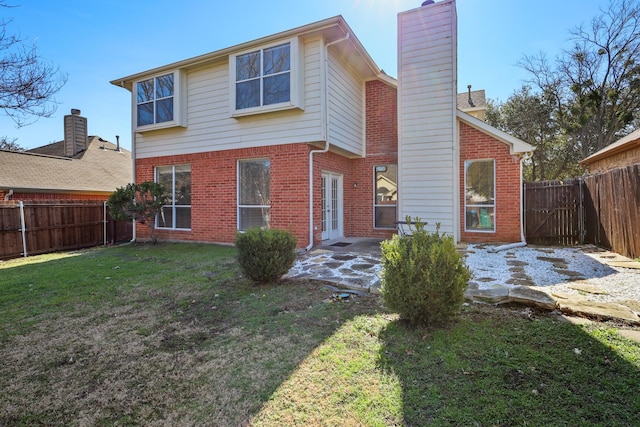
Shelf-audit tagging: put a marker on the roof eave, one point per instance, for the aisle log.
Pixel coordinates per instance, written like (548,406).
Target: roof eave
(516,146)
(38,190)
(603,154)
(127,81)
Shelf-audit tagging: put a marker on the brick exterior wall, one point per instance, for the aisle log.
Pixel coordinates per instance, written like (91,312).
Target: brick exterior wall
(382,149)
(476,145)
(214,191)
(214,182)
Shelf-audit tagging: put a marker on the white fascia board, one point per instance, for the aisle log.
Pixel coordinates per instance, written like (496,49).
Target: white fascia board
(516,146)
(336,21)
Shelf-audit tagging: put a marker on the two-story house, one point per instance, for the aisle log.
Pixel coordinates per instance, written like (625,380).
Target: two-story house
(301,130)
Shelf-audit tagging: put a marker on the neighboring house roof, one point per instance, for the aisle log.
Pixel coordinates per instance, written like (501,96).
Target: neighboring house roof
(101,168)
(626,143)
(516,146)
(333,29)
(474,99)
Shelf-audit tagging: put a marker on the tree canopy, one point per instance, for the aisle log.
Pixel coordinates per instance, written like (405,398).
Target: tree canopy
(584,100)
(10,144)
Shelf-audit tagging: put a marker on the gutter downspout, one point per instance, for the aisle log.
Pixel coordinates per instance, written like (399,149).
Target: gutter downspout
(326,135)
(7,196)
(133,165)
(523,241)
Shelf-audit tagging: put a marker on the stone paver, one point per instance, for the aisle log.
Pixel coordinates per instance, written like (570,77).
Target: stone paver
(357,267)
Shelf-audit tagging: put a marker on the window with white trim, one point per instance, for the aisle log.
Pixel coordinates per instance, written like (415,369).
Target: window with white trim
(155,100)
(176,179)
(158,102)
(254,194)
(264,79)
(480,195)
(386,196)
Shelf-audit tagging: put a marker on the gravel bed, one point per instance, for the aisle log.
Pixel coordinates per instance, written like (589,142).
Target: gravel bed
(544,266)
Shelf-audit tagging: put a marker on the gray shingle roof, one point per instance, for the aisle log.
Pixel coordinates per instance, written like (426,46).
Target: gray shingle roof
(98,169)
(478,100)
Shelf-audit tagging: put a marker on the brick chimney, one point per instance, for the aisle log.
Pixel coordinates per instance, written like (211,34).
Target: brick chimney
(75,133)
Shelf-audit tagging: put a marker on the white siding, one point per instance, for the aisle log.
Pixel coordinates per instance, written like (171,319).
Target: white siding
(210,127)
(346,106)
(428,140)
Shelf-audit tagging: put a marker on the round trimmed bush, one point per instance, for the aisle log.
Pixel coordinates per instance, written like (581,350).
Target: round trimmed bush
(266,255)
(423,277)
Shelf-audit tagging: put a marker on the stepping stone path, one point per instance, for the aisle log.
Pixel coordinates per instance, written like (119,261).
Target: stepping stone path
(361,272)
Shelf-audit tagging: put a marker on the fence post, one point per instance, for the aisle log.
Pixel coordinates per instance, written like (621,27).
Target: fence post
(581,227)
(104,222)
(23,229)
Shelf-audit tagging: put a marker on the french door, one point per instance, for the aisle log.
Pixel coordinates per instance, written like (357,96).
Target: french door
(332,206)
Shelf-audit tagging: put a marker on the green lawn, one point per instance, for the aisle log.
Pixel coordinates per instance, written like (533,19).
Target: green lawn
(173,335)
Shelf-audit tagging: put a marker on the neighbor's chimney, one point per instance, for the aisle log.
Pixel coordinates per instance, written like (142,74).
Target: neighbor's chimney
(118,143)
(470,101)
(75,133)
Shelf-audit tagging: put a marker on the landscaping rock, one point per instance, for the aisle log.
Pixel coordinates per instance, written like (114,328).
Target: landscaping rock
(575,304)
(492,296)
(571,274)
(532,297)
(585,287)
(624,264)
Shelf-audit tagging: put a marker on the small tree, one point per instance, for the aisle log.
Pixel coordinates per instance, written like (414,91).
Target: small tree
(138,202)
(423,277)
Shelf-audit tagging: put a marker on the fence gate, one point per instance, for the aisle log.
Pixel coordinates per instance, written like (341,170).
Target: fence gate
(554,212)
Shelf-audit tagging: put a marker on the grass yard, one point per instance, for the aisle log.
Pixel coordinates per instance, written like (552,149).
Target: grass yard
(173,335)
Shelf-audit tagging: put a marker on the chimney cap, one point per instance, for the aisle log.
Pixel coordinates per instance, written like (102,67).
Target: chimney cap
(427,2)
(75,111)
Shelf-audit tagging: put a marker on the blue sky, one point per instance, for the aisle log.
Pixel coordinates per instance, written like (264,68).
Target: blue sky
(94,42)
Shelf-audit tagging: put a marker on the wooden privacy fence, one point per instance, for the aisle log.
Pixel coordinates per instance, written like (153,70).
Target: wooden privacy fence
(603,209)
(554,212)
(37,227)
(613,210)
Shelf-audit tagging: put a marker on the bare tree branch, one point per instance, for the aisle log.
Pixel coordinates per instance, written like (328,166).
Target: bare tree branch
(28,83)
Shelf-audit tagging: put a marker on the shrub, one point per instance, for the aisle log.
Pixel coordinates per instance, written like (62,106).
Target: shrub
(138,202)
(266,255)
(423,277)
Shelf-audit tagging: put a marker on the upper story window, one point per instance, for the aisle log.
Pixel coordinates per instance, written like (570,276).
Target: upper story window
(155,100)
(265,79)
(157,103)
